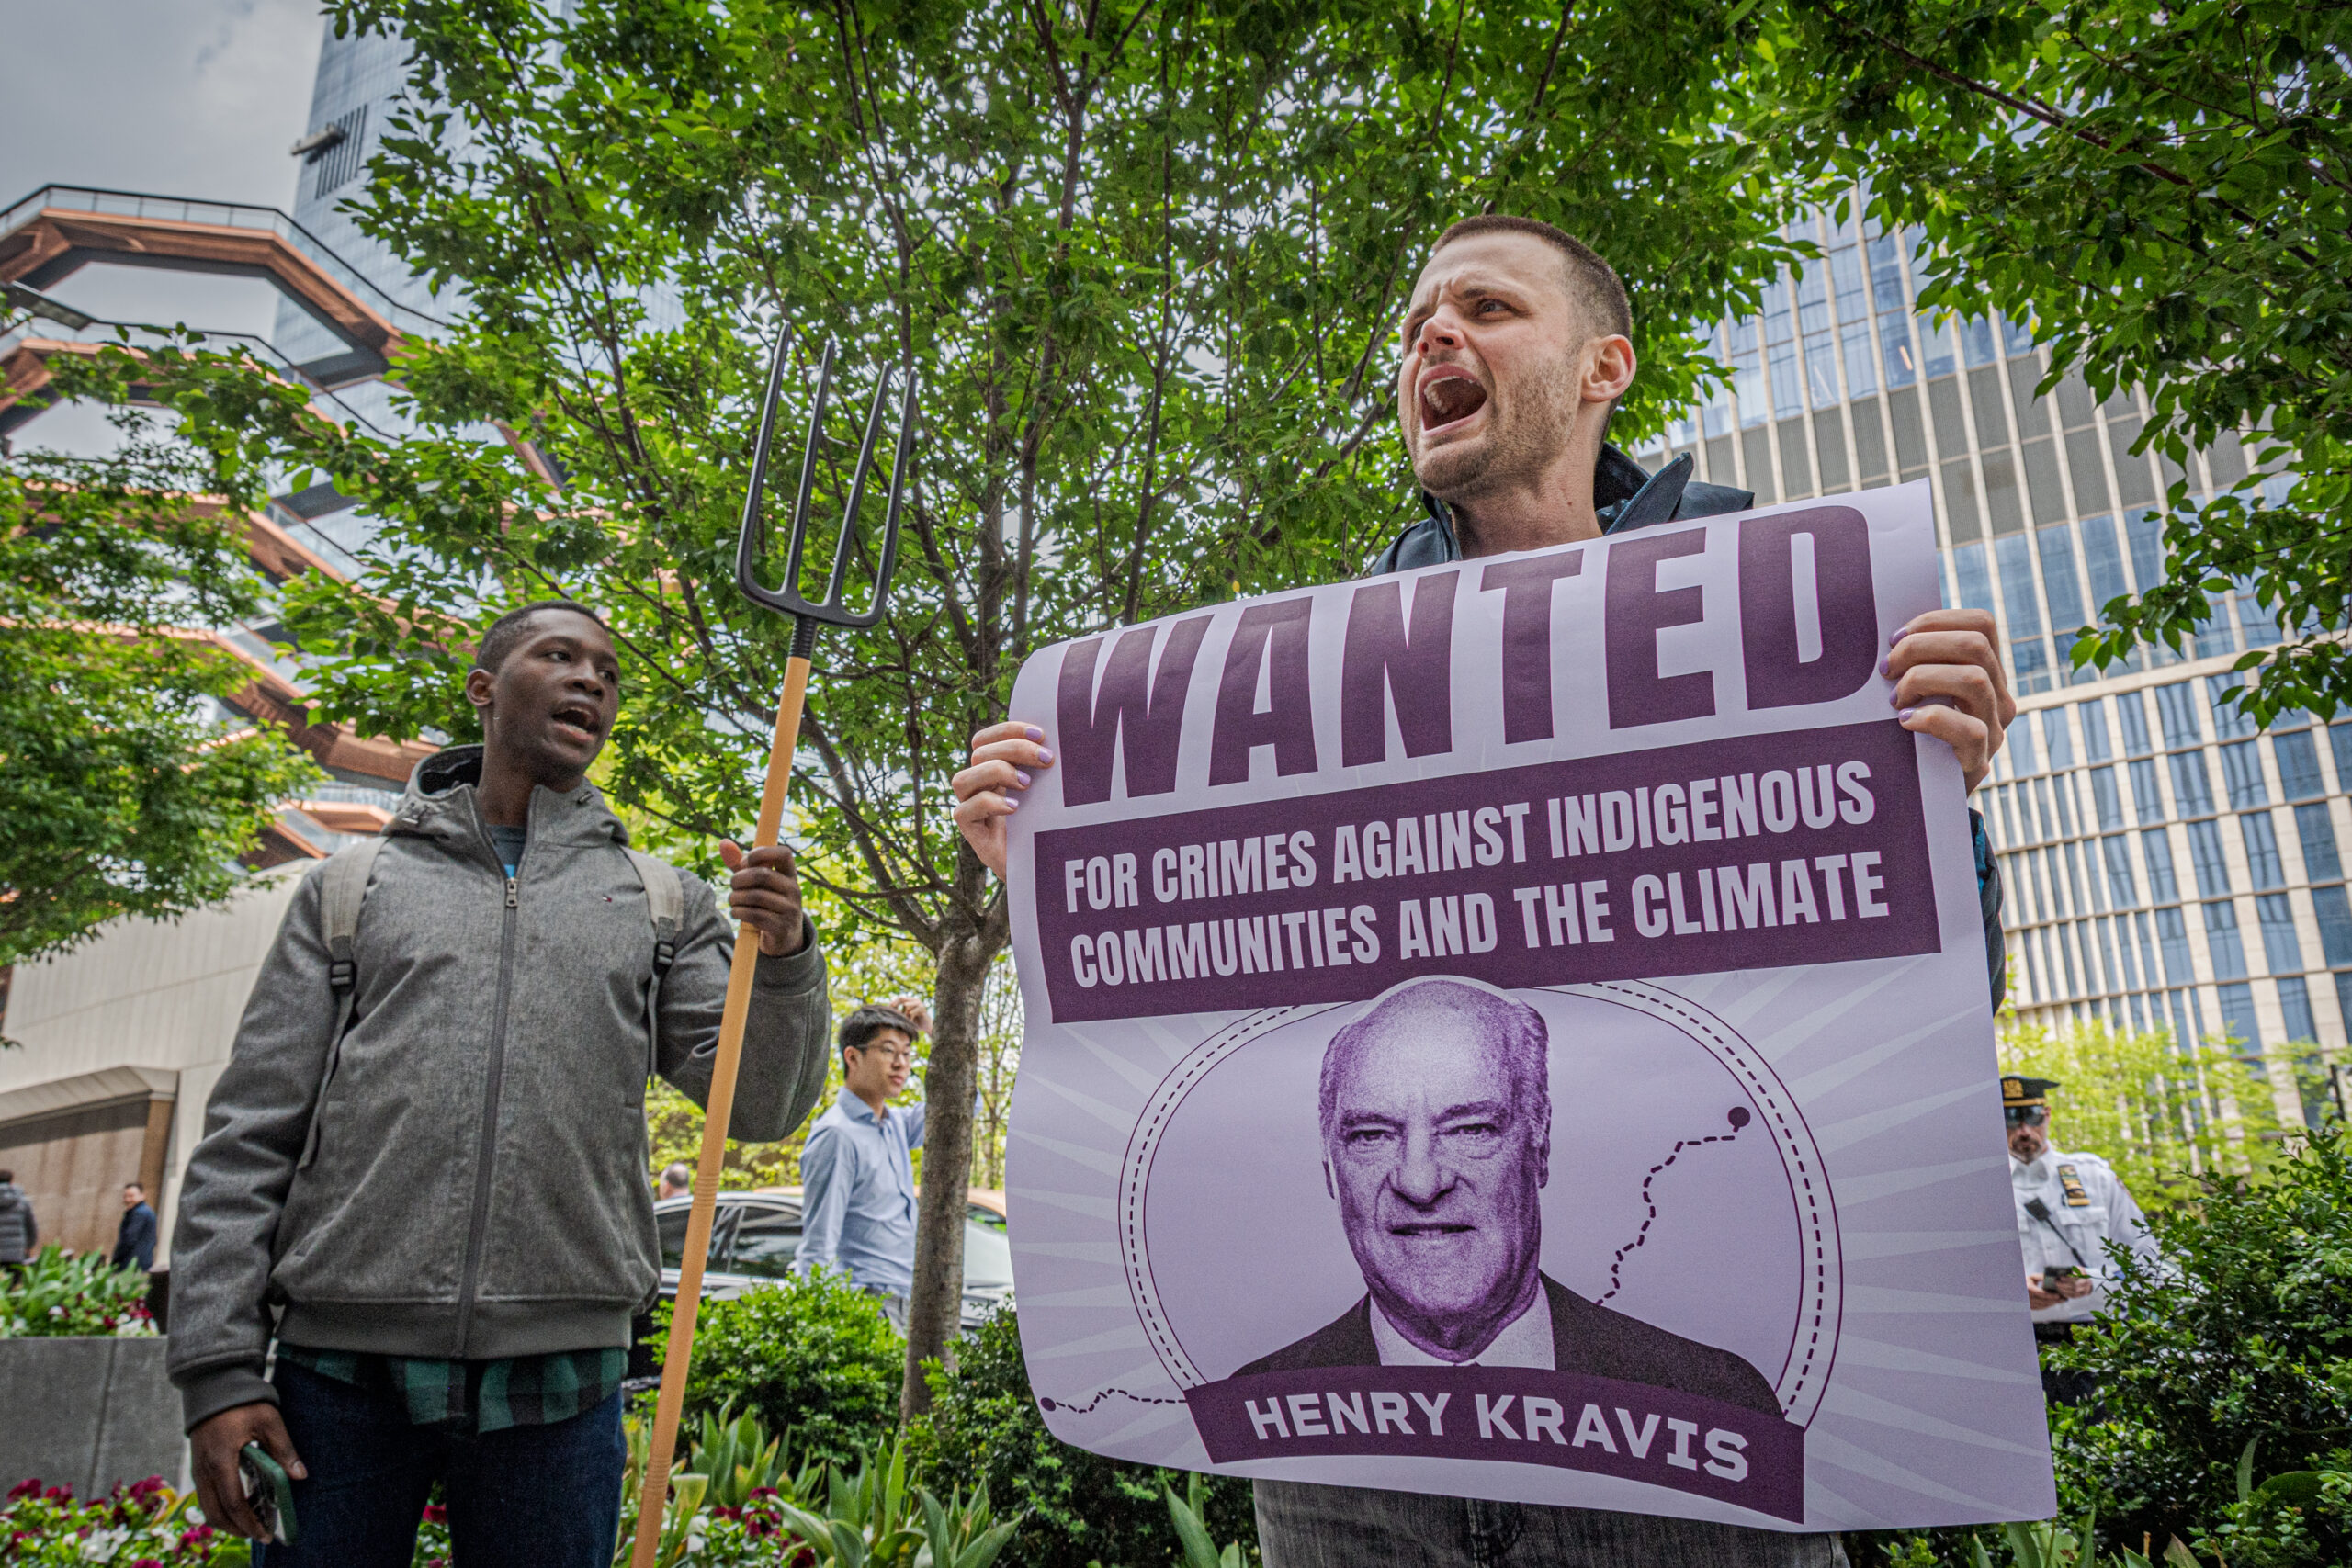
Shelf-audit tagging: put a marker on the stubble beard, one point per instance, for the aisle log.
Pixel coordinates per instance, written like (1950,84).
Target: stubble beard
(1525,435)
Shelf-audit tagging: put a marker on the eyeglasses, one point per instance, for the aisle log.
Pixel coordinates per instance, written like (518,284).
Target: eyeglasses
(903,1054)
(2026,1115)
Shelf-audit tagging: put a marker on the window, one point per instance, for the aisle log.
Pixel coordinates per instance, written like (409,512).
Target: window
(2172,936)
(2161,886)
(2295,1008)
(2279,946)
(2104,796)
(2014,557)
(2222,944)
(766,1240)
(2242,775)
(2105,557)
(2192,785)
(2097,744)
(2022,746)
(2339,741)
(2146,794)
(670,1229)
(2262,862)
(2318,834)
(2057,739)
(2131,712)
(2205,854)
(2298,757)
(2056,547)
(2335,912)
(2176,707)
(1976,575)
(2120,891)
(2237,1016)
(2230,720)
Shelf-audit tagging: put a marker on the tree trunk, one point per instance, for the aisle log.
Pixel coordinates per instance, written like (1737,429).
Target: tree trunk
(935,1311)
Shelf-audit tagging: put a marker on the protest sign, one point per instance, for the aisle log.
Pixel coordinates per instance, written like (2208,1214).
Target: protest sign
(1569,942)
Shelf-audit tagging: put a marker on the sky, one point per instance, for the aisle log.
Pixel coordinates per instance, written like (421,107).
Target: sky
(184,97)
(176,97)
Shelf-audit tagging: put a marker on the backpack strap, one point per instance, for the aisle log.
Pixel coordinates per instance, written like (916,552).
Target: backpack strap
(665,902)
(342,891)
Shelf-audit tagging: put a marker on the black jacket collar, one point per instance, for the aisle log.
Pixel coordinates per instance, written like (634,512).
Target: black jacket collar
(1626,498)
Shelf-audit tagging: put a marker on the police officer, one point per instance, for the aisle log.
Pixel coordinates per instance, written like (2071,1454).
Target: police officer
(2069,1207)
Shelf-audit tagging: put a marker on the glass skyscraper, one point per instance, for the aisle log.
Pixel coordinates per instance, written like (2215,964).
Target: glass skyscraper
(2165,864)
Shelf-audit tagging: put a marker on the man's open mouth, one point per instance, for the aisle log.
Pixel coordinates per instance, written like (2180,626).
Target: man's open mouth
(577,721)
(1449,397)
(1430,1230)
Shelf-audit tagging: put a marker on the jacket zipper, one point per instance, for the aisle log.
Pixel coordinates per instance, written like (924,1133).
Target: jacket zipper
(487,1150)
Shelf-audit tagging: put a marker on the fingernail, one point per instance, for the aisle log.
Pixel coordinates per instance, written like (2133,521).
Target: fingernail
(1012,803)
(1886,665)
(1893,698)
(1044,754)
(1900,633)
(300,1471)
(1033,733)
(1021,776)
(1903,715)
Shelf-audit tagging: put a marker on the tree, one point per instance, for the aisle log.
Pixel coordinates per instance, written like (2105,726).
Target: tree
(1146,257)
(2165,193)
(124,790)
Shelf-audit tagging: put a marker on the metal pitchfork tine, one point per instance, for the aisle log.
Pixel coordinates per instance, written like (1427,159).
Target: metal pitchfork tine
(809,615)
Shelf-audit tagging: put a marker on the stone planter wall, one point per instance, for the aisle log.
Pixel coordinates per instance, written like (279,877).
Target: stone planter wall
(87,1413)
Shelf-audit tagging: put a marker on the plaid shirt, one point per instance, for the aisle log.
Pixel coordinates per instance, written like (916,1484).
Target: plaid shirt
(477,1397)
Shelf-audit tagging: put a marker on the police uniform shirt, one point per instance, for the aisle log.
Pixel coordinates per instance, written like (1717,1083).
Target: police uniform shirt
(2088,1207)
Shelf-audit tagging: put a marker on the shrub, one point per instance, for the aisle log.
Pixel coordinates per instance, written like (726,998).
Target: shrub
(813,1358)
(2240,1358)
(57,1295)
(1081,1508)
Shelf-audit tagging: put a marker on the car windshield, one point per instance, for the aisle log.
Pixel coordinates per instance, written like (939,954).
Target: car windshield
(987,1251)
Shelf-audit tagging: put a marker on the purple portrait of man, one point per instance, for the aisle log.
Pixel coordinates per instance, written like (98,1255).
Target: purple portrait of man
(1436,1120)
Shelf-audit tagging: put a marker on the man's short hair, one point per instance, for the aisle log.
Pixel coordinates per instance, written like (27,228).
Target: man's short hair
(6,1177)
(1433,1007)
(1594,286)
(506,633)
(137,1187)
(678,1174)
(860,1028)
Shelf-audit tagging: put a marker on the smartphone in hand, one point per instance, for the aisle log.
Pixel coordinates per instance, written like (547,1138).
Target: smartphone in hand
(269,1493)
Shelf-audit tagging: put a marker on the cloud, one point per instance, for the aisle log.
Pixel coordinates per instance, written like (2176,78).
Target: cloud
(180,97)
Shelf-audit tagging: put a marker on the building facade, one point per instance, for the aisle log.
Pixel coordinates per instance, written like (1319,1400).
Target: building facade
(2166,866)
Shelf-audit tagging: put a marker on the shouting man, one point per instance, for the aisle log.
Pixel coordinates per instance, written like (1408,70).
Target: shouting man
(1517,348)
(423,1173)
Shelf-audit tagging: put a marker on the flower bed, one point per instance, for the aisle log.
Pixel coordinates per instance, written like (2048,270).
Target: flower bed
(58,1296)
(144,1526)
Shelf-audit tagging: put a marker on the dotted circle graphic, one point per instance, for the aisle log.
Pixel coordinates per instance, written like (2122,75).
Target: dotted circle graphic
(1814,1344)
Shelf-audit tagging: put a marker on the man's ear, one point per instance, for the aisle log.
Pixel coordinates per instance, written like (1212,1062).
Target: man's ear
(479,683)
(1609,367)
(1328,1185)
(1544,1159)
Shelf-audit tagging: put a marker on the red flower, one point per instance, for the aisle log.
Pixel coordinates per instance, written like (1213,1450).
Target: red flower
(147,1563)
(25,1489)
(195,1537)
(59,1494)
(435,1514)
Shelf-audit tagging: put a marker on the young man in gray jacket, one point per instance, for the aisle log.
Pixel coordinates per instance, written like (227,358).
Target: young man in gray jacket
(423,1171)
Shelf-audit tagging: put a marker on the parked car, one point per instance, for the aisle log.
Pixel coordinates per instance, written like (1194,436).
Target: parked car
(755,1235)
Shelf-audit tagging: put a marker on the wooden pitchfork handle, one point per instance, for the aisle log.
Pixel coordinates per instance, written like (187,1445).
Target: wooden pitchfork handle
(679,1353)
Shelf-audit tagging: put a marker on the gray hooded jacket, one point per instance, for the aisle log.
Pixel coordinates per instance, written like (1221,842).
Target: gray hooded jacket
(478,1189)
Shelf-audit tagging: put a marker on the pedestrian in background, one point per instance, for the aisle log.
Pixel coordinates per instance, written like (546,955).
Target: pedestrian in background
(19,1233)
(857,1175)
(677,1180)
(134,1238)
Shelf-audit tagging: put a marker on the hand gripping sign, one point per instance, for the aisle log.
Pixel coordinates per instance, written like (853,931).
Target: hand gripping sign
(1519,1030)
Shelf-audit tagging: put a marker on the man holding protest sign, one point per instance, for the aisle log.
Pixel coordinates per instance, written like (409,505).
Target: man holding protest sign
(1516,350)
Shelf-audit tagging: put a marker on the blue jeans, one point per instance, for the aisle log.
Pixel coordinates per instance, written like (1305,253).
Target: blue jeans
(1303,1526)
(519,1498)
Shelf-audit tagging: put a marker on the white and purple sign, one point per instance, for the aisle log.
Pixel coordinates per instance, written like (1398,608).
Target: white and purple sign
(1519,1030)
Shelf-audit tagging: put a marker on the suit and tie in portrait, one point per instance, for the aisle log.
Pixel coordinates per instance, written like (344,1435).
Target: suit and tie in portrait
(1434,1109)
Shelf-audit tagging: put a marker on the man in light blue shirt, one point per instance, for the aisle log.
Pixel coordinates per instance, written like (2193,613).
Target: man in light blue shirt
(856,1173)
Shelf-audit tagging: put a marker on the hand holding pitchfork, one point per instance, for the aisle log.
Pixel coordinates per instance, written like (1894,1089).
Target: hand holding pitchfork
(808,616)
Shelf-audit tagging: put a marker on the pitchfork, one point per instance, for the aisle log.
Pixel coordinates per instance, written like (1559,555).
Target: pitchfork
(809,615)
